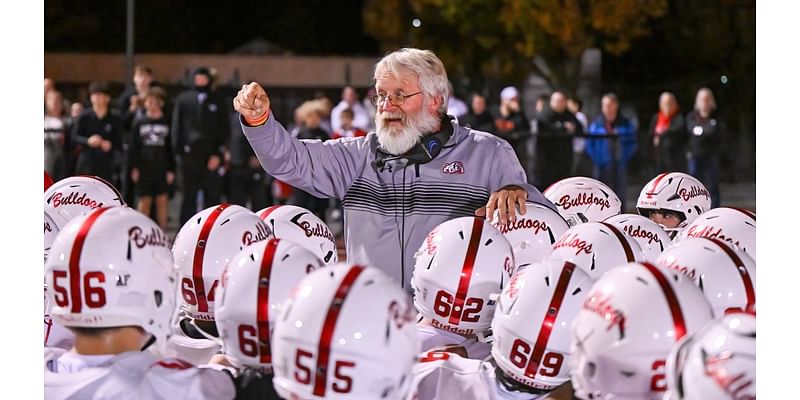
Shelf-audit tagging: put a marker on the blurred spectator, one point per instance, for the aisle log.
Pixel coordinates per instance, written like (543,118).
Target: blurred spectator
(326,106)
(455,106)
(707,136)
(56,136)
(556,127)
(350,100)
(538,107)
(199,135)
(511,124)
(247,181)
(371,109)
(479,117)
(579,159)
(99,135)
(311,115)
(131,101)
(348,130)
(668,135)
(150,158)
(611,153)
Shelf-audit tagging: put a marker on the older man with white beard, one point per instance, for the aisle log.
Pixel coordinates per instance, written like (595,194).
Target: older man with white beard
(419,169)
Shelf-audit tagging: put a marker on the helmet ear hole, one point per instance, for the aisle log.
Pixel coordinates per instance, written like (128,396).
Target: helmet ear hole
(158,297)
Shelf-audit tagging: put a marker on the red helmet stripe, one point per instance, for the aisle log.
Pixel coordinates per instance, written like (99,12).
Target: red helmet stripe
(466,271)
(75,258)
(267,211)
(744,211)
(549,319)
(324,350)
(750,292)
(672,300)
(623,241)
(262,317)
(651,192)
(199,252)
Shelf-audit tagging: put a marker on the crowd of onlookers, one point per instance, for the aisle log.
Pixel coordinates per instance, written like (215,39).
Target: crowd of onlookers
(152,146)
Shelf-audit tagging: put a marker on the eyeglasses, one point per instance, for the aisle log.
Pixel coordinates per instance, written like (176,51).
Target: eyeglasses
(395,100)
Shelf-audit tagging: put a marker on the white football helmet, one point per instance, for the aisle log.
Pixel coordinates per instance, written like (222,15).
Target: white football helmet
(716,363)
(110,268)
(674,191)
(734,226)
(652,238)
(303,227)
(727,276)
(346,332)
(460,265)
(532,235)
(580,199)
(630,320)
(74,196)
(254,285)
(204,245)
(596,247)
(530,329)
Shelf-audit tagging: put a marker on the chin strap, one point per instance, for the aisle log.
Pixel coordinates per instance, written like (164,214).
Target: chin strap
(149,342)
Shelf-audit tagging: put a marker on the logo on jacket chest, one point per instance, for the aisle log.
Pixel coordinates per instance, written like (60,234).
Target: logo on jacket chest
(453,168)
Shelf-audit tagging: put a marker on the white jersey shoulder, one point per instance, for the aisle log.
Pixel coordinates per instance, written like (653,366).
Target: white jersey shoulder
(195,351)
(440,375)
(432,338)
(130,376)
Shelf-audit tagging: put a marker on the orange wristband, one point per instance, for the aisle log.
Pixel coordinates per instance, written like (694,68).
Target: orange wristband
(257,121)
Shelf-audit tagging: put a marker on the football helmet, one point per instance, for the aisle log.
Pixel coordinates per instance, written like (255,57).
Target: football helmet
(677,192)
(254,285)
(71,197)
(726,275)
(580,199)
(733,226)
(596,247)
(112,267)
(460,265)
(204,245)
(716,363)
(652,238)
(303,227)
(630,320)
(346,332)
(532,235)
(530,329)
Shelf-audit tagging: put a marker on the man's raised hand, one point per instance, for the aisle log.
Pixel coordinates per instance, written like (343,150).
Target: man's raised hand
(251,101)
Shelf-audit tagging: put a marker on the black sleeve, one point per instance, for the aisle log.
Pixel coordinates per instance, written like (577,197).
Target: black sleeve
(168,147)
(135,145)
(78,134)
(175,129)
(117,134)
(251,384)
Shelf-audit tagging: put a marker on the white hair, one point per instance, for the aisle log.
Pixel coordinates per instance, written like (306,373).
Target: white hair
(425,65)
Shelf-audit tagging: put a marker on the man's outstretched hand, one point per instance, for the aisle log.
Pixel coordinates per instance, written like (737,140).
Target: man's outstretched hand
(505,200)
(252,101)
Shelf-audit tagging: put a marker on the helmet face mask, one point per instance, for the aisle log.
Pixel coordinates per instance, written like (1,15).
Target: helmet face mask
(112,268)
(674,192)
(347,331)
(461,264)
(302,227)
(580,199)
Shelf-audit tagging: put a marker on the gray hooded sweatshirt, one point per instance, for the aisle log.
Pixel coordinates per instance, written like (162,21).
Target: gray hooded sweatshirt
(388,211)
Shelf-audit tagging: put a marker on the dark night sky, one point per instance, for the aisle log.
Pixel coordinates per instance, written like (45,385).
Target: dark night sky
(183,26)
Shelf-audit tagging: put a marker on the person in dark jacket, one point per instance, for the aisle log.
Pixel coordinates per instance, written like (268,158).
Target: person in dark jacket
(98,133)
(556,127)
(479,117)
(247,181)
(668,135)
(706,133)
(150,157)
(199,129)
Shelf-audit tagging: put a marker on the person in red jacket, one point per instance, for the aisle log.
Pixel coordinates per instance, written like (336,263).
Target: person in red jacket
(347,129)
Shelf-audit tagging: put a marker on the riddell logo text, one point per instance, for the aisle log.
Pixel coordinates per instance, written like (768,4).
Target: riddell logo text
(638,231)
(694,191)
(154,238)
(572,240)
(76,198)
(566,201)
(450,328)
(262,233)
(600,304)
(318,230)
(535,225)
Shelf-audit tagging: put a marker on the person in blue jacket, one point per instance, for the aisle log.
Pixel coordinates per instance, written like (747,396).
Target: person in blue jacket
(611,153)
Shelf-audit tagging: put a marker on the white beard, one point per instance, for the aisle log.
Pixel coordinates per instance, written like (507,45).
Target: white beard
(398,140)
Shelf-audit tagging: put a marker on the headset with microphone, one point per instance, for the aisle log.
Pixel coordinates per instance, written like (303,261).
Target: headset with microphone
(423,152)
